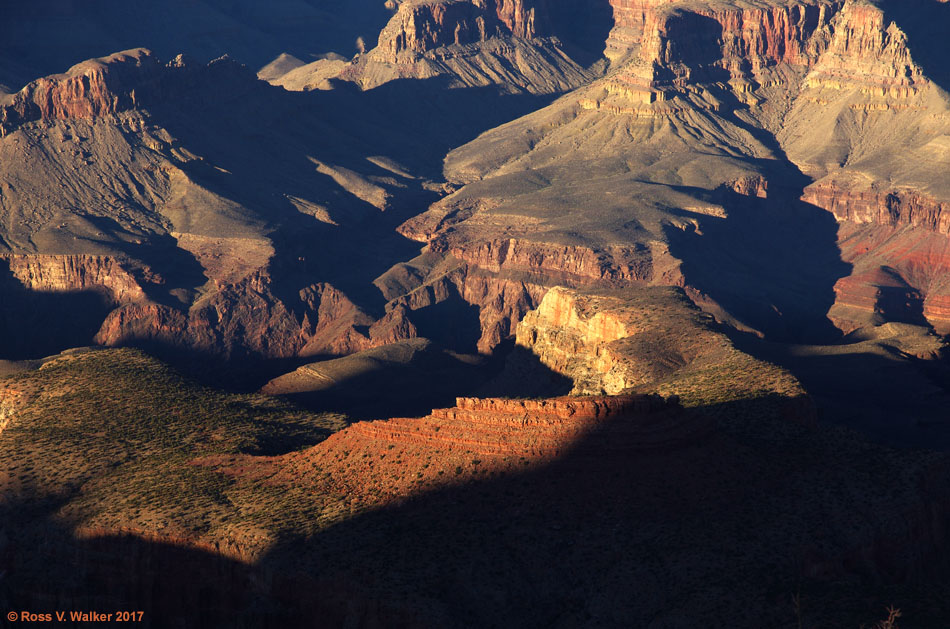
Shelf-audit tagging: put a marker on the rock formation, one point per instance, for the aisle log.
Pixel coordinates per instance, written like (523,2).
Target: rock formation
(645,339)
(99,197)
(503,436)
(725,91)
(624,199)
(509,44)
(93,88)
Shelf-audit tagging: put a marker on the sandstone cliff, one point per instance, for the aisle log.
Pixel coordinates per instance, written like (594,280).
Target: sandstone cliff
(647,339)
(68,273)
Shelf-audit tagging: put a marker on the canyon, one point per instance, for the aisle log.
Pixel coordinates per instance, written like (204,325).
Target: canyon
(444,312)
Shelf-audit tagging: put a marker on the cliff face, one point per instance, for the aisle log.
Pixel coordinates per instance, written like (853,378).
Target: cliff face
(71,273)
(868,52)
(863,86)
(93,88)
(238,318)
(121,82)
(247,318)
(422,26)
(537,429)
(647,339)
(504,436)
(574,340)
(567,263)
(668,52)
(510,44)
(101,196)
(900,274)
(876,206)
(504,279)
(500,302)
(752,98)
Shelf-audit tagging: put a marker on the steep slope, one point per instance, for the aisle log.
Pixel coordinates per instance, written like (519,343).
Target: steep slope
(129,183)
(79,432)
(574,484)
(868,95)
(544,47)
(707,158)
(103,190)
(406,378)
(229,496)
(648,339)
(648,174)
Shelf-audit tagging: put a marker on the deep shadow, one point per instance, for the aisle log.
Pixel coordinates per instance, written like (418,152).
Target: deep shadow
(695,41)
(175,586)
(892,398)
(218,111)
(616,538)
(412,122)
(180,273)
(582,27)
(926,25)
(722,532)
(452,323)
(523,375)
(239,371)
(433,379)
(34,324)
(771,263)
(901,303)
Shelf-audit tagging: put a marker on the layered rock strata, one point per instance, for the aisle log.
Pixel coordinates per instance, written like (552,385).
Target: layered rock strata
(728,93)
(72,273)
(510,44)
(93,88)
(482,437)
(646,339)
(539,429)
(100,195)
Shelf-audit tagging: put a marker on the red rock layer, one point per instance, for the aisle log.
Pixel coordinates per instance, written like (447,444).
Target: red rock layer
(507,278)
(880,206)
(901,273)
(876,293)
(542,428)
(501,302)
(564,262)
(248,318)
(120,82)
(422,26)
(418,27)
(630,20)
(487,436)
(69,273)
(869,52)
(92,88)
(681,48)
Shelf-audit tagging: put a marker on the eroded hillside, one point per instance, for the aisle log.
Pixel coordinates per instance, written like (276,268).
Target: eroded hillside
(561,313)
